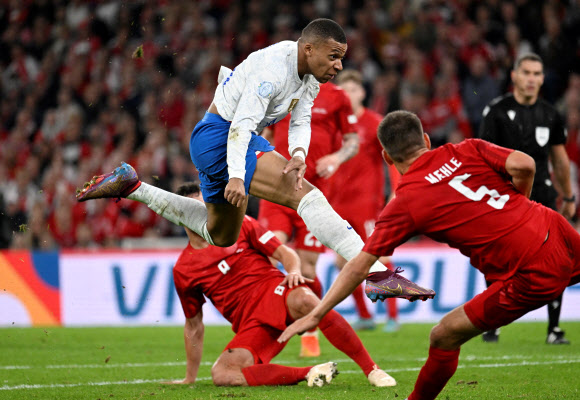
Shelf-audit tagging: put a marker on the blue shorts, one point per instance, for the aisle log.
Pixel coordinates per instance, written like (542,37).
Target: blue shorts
(208,150)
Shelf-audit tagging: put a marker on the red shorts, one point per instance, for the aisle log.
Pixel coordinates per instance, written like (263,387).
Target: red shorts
(279,218)
(554,267)
(264,323)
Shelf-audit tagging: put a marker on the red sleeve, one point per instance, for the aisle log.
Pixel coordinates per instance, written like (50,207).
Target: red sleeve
(190,296)
(346,119)
(261,238)
(494,155)
(394,227)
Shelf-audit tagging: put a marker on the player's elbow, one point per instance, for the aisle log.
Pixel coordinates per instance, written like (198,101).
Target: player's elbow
(520,165)
(529,165)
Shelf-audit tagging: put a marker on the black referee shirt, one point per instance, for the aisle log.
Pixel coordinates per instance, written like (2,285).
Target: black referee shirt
(529,129)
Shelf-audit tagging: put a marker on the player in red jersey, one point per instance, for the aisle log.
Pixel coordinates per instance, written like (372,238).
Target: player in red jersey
(475,197)
(332,118)
(353,182)
(259,301)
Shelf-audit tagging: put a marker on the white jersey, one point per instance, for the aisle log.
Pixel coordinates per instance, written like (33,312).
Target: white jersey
(261,91)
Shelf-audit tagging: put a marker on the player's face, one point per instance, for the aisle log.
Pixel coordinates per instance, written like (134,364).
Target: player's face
(355,92)
(528,79)
(325,59)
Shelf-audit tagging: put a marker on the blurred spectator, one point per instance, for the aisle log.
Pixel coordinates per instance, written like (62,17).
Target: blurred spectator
(444,119)
(479,88)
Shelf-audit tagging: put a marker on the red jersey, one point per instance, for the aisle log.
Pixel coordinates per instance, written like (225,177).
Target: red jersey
(362,177)
(461,195)
(228,276)
(331,115)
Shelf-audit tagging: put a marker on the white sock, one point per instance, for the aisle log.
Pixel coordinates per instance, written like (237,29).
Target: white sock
(328,227)
(180,210)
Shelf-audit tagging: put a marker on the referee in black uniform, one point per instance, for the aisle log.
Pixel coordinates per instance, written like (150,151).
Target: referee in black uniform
(523,121)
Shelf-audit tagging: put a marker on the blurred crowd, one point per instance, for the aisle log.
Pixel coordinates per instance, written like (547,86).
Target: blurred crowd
(88,84)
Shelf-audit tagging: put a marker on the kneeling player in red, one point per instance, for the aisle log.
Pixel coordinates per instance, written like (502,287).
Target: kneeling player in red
(260,302)
(473,196)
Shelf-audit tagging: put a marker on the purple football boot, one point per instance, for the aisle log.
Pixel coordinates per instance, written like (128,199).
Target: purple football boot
(385,284)
(119,183)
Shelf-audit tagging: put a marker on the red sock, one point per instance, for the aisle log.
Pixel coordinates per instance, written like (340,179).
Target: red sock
(438,369)
(341,335)
(274,374)
(359,301)
(392,305)
(316,287)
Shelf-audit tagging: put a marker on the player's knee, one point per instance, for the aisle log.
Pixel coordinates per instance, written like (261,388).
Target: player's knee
(440,336)
(220,376)
(306,303)
(445,336)
(224,240)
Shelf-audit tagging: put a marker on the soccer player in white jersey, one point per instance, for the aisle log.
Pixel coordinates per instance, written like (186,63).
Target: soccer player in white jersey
(233,160)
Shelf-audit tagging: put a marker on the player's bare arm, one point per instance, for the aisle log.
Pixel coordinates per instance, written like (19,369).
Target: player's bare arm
(561,164)
(297,163)
(193,334)
(291,262)
(326,166)
(353,273)
(522,169)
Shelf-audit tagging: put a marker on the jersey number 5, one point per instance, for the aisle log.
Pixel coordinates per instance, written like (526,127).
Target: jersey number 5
(497,201)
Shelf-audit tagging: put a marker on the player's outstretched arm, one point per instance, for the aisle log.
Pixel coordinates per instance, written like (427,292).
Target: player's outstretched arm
(291,263)
(352,275)
(522,169)
(193,333)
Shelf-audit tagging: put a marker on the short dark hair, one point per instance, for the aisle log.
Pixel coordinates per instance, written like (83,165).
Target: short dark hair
(528,57)
(401,134)
(322,29)
(349,75)
(188,188)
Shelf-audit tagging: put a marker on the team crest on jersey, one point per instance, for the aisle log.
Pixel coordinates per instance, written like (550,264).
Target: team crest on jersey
(511,114)
(542,135)
(292,104)
(265,89)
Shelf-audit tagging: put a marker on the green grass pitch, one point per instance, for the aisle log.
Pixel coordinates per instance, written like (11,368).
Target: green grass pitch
(130,363)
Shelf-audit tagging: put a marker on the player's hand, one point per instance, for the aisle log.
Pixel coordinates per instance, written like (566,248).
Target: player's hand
(298,164)
(294,279)
(299,327)
(568,209)
(235,192)
(326,166)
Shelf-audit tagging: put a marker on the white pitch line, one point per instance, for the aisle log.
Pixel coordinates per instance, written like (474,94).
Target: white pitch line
(521,364)
(140,381)
(283,362)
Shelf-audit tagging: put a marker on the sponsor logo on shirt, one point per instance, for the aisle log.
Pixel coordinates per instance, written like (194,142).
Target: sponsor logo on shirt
(318,110)
(292,104)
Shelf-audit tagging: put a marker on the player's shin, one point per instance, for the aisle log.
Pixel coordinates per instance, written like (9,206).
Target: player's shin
(328,227)
(180,210)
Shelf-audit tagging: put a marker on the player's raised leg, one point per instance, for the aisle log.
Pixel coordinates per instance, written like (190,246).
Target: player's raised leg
(218,223)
